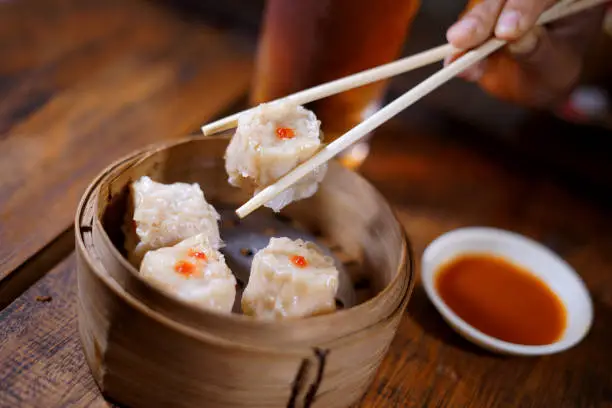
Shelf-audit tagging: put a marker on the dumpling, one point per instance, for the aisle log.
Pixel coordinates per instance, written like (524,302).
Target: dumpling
(290,279)
(165,214)
(194,271)
(271,140)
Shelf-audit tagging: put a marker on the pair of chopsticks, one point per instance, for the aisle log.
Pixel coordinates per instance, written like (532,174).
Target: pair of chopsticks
(559,10)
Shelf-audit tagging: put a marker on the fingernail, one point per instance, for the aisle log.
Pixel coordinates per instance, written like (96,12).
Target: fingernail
(462,28)
(508,24)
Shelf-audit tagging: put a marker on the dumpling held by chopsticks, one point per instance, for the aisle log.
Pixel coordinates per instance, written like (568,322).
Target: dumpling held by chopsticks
(270,141)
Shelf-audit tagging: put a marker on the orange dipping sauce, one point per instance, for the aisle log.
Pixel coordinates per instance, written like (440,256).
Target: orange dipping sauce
(501,299)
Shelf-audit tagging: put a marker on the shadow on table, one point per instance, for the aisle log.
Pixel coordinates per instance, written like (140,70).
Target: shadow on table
(425,315)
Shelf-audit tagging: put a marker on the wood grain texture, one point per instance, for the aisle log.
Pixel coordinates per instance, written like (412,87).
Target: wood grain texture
(438,185)
(84,82)
(35,267)
(41,362)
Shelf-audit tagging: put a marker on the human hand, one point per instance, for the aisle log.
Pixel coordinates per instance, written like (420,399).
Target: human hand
(540,65)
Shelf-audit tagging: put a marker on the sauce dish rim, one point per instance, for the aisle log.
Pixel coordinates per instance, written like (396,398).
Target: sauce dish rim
(445,247)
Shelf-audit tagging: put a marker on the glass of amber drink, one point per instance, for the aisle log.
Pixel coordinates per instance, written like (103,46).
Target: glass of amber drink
(308,42)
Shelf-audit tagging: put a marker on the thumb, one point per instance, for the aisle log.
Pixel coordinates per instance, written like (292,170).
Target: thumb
(534,71)
(549,60)
(552,56)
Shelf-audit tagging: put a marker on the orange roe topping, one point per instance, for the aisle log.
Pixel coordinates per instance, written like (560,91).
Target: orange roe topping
(285,133)
(299,261)
(185,268)
(197,254)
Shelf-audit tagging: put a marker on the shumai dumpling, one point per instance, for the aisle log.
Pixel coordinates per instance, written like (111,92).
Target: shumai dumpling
(194,271)
(290,279)
(165,214)
(271,140)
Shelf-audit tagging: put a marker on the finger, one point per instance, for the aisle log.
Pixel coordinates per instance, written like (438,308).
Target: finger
(555,49)
(550,68)
(476,25)
(452,58)
(518,17)
(527,43)
(550,59)
(473,73)
(578,30)
(545,64)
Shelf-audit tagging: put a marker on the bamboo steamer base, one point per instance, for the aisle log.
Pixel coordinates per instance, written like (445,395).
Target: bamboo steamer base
(146,349)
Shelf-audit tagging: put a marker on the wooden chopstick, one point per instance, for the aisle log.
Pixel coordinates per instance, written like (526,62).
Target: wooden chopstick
(559,10)
(344,84)
(365,127)
(340,85)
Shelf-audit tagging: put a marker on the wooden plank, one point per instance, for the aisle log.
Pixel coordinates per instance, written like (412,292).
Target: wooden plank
(35,267)
(96,80)
(41,362)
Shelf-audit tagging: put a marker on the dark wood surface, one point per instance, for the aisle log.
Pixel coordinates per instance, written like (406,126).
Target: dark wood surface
(41,362)
(136,73)
(438,185)
(85,82)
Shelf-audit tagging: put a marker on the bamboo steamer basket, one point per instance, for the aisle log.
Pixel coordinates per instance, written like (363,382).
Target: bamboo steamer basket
(146,349)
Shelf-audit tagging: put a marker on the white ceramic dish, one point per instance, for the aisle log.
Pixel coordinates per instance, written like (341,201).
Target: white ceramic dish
(522,251)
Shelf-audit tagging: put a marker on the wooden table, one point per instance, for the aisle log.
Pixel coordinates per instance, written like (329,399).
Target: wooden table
(83,82)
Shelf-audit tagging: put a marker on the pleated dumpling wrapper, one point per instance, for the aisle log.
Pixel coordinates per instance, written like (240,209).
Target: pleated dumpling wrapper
(193,271)
(290,279)
(271,140)
(165,214)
